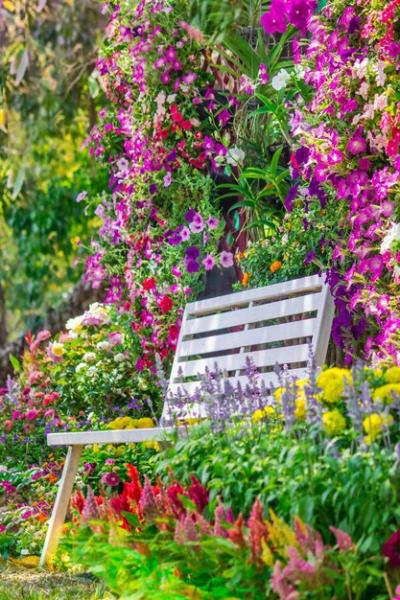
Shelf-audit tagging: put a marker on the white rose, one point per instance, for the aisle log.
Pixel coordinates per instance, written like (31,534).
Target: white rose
(104,346)
(89,357)
(75,324)
(119,358)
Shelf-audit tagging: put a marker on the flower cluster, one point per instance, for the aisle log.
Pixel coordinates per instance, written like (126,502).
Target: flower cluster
(166,128)
(293,560)
(349,155)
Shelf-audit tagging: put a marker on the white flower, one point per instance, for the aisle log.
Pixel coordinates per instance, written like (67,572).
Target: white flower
(24,552)
(89,357)
(106,346)
(119,358)
(74,325)
(392,235)
(380,72)
(80,367)
(280,80)
(91,371)
(235,156)
(360,68)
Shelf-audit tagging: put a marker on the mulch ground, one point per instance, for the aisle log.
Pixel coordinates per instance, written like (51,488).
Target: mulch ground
(33,584)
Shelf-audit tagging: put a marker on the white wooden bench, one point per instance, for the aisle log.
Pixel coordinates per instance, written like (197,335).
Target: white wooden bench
(273,324)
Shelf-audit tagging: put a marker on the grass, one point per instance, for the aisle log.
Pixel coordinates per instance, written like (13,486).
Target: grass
(33,584)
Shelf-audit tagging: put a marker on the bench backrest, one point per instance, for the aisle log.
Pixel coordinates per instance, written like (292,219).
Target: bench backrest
(273,324)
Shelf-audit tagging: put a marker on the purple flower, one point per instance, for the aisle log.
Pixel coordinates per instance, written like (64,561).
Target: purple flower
(212,222)
(167,180)
(224,117)
(80,197)
(208,262)
(309,257)
(190,214)
(356,145)
(226,259)
(185,234)
(192,252)
(192,266)
(288,202)
(274,21)
(112,479)
(196,227)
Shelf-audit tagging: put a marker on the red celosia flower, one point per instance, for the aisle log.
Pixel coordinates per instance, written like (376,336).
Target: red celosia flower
(198,494)
(147,502)
(78,501)
(258,529)
(391,549)
(173,491)
(236,534)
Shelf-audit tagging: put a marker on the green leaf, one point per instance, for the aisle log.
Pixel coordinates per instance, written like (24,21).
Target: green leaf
(187,502)
(16,365)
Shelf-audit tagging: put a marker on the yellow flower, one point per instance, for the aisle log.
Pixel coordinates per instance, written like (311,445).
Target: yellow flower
(123,423)
(300,410)
(278,393)
(262,413)
(326,376)
(387,393)
(266,555)
(301,383)
(333,382)
(374,424)
(144,423)
(280,534)
(392,375)
(334,422)
(58,349)
(152,444)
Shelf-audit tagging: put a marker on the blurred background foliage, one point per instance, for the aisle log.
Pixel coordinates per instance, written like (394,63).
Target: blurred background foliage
(49,97)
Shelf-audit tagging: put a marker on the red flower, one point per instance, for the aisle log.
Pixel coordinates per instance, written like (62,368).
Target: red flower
(165,303)
(391,549)
(258,529)
(198,494)
(173,491)
(149,284)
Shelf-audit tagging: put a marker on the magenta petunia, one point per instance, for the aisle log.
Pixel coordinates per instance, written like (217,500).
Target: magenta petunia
(208,262)
(274,20)
(356,145)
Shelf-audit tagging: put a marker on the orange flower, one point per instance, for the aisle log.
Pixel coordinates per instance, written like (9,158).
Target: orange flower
(276,265)
(41,518)
(245,279)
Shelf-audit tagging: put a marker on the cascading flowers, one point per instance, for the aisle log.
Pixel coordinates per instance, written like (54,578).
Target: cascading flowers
(165,129)
(349,154)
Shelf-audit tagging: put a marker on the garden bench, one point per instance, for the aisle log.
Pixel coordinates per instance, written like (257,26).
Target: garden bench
(270,325)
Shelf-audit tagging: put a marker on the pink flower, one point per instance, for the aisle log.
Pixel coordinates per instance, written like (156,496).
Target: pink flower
(208,262)
(212,222)
(343,539)
(274,21)
(356,145)
(224,117)
(112,479)
(226,259)
(115,338)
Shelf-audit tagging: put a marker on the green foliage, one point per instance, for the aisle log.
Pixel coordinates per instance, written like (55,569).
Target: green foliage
(357,492)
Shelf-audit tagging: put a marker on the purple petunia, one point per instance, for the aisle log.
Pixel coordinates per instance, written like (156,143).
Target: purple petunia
(226,259)
(208,262)
(192,266)
(192,252)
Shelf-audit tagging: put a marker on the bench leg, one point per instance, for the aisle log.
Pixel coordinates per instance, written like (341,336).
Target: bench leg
(61,504)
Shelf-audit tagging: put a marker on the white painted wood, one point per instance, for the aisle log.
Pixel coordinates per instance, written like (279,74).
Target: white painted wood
(240,312)
(276,291)
(268,378)
(252,337)
(61,504)
(236,362)
(110,436)
(253,314)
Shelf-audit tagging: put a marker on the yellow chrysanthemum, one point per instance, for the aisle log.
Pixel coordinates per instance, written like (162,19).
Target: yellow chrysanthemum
(301,408)
(123,423)
(263,413)
(392,375)
(152,444)
(335,373)
(334,422)
(387,393)
(374,425)
(144,423)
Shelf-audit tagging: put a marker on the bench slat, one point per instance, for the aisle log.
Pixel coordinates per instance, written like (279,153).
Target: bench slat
(255,314)
(116,436)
